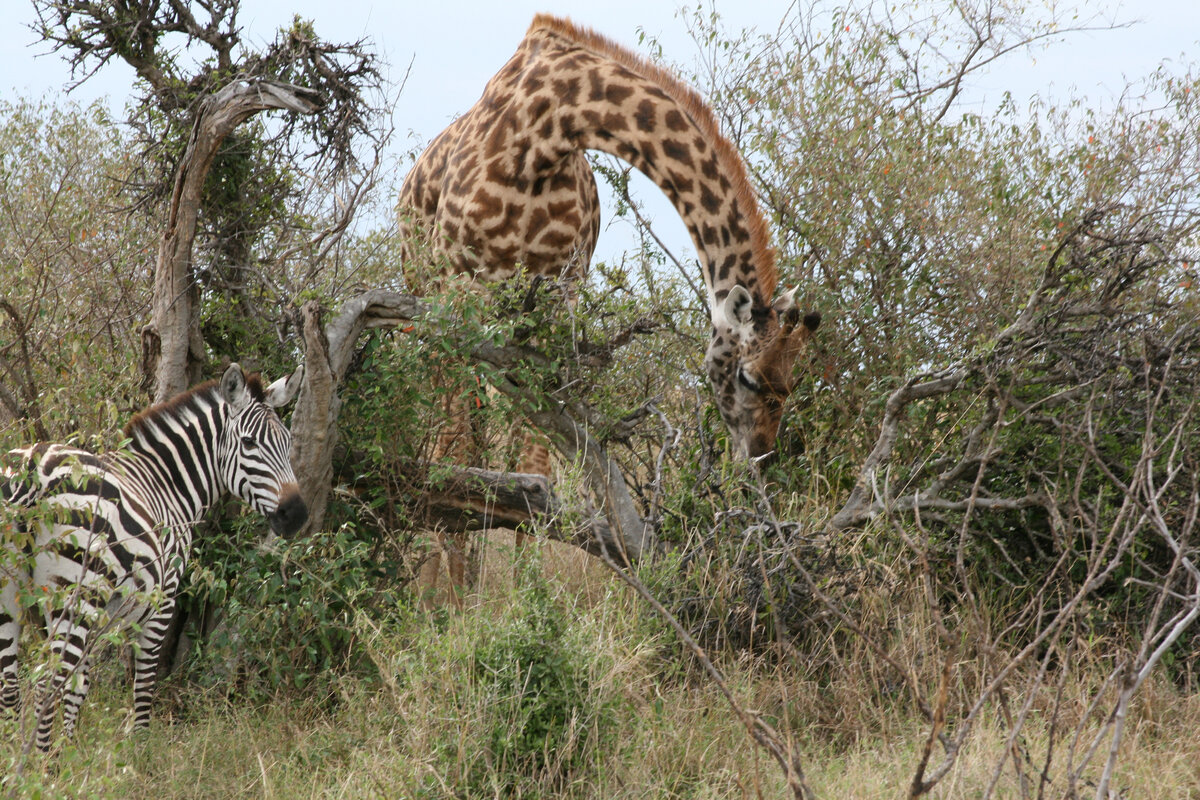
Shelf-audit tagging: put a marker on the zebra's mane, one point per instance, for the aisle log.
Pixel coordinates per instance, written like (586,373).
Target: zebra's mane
(195,399)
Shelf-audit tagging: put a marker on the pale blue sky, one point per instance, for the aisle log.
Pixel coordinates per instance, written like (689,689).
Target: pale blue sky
(456,45)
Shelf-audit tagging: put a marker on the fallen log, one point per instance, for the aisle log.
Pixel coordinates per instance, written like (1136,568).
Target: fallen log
(475,499)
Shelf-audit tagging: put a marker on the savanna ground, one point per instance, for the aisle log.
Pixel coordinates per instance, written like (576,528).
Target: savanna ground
(644,723)
(970,572)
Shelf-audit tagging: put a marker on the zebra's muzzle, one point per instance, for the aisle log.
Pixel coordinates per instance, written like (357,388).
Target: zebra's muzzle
(290,515)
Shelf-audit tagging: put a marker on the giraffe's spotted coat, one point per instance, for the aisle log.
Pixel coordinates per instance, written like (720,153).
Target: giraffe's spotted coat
(507,187)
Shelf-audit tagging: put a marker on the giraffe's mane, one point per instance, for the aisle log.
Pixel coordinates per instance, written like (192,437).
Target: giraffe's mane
(200,395)
(732,165)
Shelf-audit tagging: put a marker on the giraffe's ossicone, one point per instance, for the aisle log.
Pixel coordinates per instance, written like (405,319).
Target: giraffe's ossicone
(507,187)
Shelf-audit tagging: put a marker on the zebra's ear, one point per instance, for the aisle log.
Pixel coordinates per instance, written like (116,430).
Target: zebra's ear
(233,387)
(281,392)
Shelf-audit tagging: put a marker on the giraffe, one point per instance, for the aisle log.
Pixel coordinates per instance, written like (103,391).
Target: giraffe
(507,188)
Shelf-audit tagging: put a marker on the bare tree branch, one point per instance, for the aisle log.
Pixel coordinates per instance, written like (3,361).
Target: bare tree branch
(172,348)
(329,353)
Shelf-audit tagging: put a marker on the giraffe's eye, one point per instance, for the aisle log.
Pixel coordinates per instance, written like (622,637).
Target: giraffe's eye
(747,380)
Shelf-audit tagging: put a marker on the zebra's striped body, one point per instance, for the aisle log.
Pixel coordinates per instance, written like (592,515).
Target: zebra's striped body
(101,541)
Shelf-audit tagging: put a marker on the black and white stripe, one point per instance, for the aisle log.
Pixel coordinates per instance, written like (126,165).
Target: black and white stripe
(101,541)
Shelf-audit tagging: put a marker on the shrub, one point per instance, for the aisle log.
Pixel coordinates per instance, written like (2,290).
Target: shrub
(544,715)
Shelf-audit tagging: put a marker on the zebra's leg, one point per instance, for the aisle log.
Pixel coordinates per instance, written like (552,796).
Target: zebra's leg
(10,637)
(69,655)
(145,665)
(73,698)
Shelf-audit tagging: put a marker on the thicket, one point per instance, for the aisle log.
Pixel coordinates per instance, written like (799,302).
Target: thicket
(985,500)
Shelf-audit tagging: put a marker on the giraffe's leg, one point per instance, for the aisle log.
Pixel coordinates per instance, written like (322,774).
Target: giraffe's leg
(458,442)
(145,665)
(10,637)
(535,456)
(453,444)
(535,460)
(429,574)
(455,545)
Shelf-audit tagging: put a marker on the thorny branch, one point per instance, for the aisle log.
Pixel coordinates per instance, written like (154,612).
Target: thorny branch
(1032,333)
(144,35)
(760,731)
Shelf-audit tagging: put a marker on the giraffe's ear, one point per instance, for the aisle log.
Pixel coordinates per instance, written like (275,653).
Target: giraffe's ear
(233,387)
(786,310)
(281,392)
(737,306)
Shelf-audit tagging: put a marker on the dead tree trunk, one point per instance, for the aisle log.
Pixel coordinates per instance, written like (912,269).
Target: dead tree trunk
(327,354)
(172,348)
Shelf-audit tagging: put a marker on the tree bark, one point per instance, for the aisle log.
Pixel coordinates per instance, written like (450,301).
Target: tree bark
(327,354)
(314,420)
(172,347)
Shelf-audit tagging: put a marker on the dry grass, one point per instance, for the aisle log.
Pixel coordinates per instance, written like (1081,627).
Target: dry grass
(420,729)
(1151,766)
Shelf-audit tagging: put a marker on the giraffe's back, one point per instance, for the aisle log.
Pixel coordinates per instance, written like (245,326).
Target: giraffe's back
(497,191)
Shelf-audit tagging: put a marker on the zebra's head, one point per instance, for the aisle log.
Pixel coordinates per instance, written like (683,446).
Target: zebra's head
(253,454)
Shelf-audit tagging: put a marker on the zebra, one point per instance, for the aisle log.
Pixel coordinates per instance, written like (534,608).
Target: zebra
(100,542)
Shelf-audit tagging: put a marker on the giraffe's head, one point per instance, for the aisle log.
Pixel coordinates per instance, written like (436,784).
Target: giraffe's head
(749,363)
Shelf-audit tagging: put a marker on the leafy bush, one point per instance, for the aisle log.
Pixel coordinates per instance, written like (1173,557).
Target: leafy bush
(544,717)
(286,615)
(76,282)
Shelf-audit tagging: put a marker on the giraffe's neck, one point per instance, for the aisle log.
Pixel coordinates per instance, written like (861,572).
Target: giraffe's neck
(577,90)
(507,188)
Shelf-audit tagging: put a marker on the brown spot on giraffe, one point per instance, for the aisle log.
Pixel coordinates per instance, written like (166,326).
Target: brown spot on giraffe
(677,151)
(567,90)
(684,186)
(487,205)
(524,142)
(676,121)
(646,117)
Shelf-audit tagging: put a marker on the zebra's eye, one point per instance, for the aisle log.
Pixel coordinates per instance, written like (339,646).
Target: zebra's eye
(249,442)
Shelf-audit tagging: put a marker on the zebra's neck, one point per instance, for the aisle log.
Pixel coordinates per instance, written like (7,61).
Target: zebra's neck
(172,458)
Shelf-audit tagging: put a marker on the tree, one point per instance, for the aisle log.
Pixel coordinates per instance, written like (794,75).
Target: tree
(185,121)
(238,189)
(76,273)
(1015,359)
